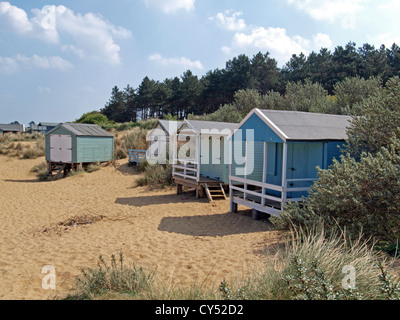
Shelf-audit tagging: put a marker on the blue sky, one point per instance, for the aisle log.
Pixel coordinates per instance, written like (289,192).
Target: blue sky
(61,59)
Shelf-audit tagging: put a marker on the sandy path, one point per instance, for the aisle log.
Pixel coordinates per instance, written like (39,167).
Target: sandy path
(186,240)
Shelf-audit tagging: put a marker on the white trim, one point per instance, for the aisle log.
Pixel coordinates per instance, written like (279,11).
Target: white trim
(256,183)
(256,206)
(267,121)
(265,169)
(198,142)
(284,173)
(272,125)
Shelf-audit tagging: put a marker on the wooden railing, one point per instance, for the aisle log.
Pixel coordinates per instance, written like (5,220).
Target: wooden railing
(187,169)
(301,189)
(135,156)
(261,194)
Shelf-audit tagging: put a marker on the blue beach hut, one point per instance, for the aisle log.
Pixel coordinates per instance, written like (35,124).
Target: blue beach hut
(275,155)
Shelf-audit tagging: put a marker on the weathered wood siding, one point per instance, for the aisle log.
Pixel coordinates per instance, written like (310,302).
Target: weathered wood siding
(94,149)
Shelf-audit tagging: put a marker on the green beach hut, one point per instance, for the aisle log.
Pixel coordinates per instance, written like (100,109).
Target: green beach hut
(73,145)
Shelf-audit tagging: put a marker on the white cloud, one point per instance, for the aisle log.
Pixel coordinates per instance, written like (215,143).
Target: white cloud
(322,40)
(331,10)
(171,6)
(20,62)
(391,32)
(14,18)
(182,62)
(91,35)
(277,42)
(44,90)
(72,49)
(8,65)
(229,20)
(274,40)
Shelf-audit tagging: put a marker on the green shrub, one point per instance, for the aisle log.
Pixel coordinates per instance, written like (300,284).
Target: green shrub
(143,165)
(310,266)
(359,196)
(93,117)
(92,167)
(379,123)
(40,171)
(113,278)
(156,175)
(32,153)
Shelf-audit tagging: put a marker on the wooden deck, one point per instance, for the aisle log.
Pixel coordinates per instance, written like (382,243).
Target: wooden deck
(204,187)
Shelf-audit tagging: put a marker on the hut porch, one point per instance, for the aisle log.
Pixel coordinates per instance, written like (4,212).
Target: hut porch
(263,196)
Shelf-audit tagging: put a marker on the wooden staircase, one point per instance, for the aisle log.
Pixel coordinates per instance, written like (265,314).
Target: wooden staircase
(58,168)
(215,191)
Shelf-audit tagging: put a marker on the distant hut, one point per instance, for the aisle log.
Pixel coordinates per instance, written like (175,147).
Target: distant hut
(47,126)
(160,138)
(11,128)
(72,145)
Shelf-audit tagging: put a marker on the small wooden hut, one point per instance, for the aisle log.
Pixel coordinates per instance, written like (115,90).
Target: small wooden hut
(72,145)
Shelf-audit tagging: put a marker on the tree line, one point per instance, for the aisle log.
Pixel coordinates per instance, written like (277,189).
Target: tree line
(310,76)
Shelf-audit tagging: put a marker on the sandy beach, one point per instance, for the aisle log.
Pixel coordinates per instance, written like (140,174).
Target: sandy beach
(186,240)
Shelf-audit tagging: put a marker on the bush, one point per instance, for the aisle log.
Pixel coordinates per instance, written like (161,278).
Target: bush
(380,121)
(143,165)
(92,167)
(352,92)
(359,196)
(33,153)
(40,170)
(114,278)
(132,139)
(310,266)
(156,175)
(93,117)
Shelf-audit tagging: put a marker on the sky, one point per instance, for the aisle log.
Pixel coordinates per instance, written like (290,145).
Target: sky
(61,59)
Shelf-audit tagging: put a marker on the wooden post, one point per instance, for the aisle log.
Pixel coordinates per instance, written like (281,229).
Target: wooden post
(233,206)
(198,141)
(284,174)
(255,215)
(245,169)
(200,192)
(179,188)
(265,167)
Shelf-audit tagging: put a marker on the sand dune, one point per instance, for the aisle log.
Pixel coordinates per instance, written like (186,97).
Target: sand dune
(185,239)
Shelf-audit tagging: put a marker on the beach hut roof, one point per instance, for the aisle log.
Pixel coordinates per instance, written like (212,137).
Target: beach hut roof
(48,124)
(168,127)
(199,126)
(12,127)
(86,130)
(304,126)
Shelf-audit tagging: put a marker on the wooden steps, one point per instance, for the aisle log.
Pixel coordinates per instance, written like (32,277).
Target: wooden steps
(215,191)
(58,168)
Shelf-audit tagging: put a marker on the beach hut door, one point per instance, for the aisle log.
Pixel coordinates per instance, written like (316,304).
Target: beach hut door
(61,148)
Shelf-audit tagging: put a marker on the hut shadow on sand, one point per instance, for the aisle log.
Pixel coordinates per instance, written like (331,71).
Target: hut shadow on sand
(22,181)
(143,201)
(216,225)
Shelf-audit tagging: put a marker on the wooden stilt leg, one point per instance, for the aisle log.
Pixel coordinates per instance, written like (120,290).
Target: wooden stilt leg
(255,214)
(179,189)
